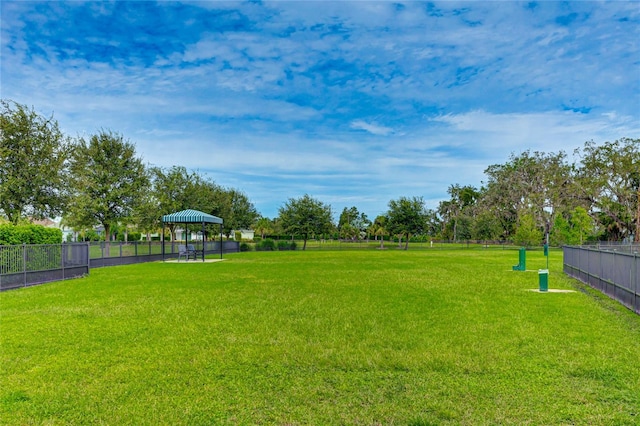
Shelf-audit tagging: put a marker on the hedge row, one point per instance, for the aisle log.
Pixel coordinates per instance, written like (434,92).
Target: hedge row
(271,245)
(29,234)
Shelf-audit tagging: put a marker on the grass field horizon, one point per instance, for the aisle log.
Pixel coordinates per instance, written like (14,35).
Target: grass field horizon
(326,337)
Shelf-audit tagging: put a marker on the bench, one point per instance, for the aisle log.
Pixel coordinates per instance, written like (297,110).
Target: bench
(193,249)
(187,251)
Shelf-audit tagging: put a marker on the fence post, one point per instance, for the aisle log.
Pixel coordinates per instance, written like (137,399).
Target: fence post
(63,253)
(24,263)
(634,278)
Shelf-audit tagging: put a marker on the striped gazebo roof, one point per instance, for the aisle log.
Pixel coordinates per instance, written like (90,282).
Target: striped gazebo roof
(190,216)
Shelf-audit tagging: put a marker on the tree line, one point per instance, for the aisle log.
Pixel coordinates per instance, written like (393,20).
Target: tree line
(100,180)
(532,198)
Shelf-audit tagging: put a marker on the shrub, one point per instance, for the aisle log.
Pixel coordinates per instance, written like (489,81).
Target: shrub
(286,245)
(29,234)
(266,245)
(131,236)
(91,235)
(245,247)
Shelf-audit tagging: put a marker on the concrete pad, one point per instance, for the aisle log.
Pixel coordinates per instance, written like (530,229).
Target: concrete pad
(193,261)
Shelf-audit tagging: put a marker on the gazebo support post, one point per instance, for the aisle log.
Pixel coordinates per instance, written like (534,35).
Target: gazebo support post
(162,241)
(220,241)
(203,242)
(186,240)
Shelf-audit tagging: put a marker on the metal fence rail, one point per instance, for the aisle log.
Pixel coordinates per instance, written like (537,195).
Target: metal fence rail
(614,272)
(25,265)
(125,253)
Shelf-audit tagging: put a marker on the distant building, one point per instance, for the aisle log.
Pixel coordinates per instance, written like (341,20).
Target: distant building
(67,233)
(245,234)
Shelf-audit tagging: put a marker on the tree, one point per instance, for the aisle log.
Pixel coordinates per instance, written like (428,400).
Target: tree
(173,190)
(379,229)
(348,232)
(147,214)
(539,184)
(465,227)
(406,217)
(581,223)
(263,226)
(352,223)
(572,229)
(108,181)
(236,210)
(433,224)
(528,233)
(458,208)
(561,232)
(609,177)
(305,216)
(486,227)
(33,164)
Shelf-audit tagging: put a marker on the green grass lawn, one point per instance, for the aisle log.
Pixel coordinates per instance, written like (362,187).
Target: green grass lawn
(323,337)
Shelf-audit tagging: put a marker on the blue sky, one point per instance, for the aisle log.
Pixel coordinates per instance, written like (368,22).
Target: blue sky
(352,102)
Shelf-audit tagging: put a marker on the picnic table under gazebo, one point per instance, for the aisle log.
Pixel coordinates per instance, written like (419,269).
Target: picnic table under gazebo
(188,217)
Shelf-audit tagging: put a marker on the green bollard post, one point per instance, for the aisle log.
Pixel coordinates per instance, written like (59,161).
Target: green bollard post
(543,278)
(546,253)
(522,260)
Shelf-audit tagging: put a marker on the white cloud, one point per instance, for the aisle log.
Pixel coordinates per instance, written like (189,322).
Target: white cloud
(549,131)
(280,107)
(372,127)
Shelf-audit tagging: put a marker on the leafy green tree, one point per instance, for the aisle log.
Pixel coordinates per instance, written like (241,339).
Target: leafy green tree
(582,224)
(33,164)
(348,232)
(352,223)
(528,233)
(147,215)
(379,229)
(305,216)
(609,179)
(561,232)
(263,226)
(465,227)
(539,184)
(574,229)
(458,208)
(108,181)
(486,227)
(173,190)
(238,212)
(433,225)
(406,217)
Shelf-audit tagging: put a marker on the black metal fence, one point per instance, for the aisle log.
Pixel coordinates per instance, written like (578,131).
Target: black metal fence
(125,253)
(614,270)
(372,243)
(25,265)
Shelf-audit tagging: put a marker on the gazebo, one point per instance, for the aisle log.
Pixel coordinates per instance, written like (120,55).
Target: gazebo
(187,217)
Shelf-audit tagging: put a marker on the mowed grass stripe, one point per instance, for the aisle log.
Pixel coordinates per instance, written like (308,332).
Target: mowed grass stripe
(375,337)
